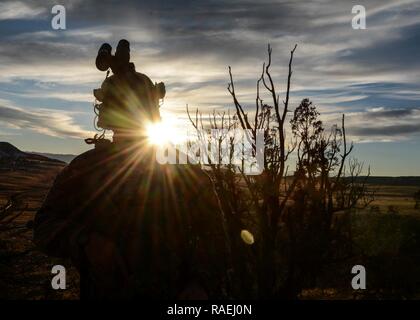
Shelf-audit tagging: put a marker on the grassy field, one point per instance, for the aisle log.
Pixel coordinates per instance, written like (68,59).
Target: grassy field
(386,241)
(398,198)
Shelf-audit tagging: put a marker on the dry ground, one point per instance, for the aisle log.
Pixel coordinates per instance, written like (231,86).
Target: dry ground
(25,273)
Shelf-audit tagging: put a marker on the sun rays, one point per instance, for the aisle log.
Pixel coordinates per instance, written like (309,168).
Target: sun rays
(163,132)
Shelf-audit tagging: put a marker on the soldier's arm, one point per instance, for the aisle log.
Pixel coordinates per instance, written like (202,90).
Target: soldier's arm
(58,227)
(49,222)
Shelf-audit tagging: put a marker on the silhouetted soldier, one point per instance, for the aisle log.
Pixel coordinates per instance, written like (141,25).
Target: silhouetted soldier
(133,227)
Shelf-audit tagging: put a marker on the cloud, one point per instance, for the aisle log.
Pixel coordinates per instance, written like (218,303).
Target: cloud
(10,10)
(66,96)
(381,113)
(49,122)
(383,124)
(395,131)
(188,44)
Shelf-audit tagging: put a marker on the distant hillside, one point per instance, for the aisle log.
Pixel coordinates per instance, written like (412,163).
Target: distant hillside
(67,158)
(8,150)
(13,158)
(392,181)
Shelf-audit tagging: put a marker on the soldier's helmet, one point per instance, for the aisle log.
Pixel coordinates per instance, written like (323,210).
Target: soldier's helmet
(127,100)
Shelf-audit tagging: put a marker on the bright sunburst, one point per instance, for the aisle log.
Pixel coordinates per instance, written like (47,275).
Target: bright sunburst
(160,133)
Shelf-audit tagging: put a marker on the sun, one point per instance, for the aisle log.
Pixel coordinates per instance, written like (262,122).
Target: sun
(163,132)
(157,133)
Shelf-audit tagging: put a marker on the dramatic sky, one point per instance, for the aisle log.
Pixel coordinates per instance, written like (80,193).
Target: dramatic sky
(371,75)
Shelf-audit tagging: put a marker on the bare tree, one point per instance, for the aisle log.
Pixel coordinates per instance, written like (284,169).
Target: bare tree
(291,216)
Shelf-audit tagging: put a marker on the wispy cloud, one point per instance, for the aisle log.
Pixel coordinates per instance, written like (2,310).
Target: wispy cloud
(382,124)
(188,44)
(10,10)
(54,123)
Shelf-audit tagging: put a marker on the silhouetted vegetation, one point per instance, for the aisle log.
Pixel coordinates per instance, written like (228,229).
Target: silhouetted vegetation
(294,218)
(416,197)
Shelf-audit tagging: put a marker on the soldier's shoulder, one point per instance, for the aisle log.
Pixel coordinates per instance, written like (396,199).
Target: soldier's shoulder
(87,156)
(91,157)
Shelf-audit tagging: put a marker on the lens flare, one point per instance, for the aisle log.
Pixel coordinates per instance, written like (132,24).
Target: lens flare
(161,133)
